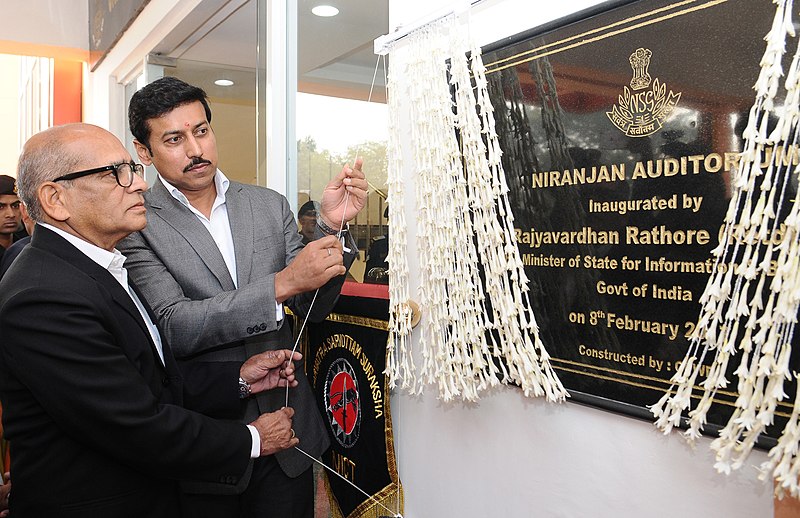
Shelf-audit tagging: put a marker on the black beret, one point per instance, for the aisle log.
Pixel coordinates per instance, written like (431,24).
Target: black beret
(7,184)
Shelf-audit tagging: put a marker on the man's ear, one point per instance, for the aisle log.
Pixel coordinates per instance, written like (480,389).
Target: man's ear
(53,200)
(143,153)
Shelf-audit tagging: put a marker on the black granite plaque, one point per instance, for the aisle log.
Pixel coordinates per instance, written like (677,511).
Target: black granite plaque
(619,132)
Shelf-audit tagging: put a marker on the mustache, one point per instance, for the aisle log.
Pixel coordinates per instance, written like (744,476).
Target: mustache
(195,162)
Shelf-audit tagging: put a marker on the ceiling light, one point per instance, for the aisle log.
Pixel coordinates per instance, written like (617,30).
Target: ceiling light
(325,10)
(223,82)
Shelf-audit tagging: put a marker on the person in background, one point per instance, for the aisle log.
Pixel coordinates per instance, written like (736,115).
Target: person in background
(13,251)
(217,262)
(93,401)
(10,218)
(307,219)
(377,267)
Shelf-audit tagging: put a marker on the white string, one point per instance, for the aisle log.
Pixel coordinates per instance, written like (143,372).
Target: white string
(311,306)
(300,334)
(338,234)
(316,292)
(395,515)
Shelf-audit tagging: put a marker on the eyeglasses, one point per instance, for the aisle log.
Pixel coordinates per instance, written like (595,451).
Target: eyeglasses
(123,172)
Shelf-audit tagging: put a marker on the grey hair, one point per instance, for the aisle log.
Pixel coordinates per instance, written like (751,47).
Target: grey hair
(44,157)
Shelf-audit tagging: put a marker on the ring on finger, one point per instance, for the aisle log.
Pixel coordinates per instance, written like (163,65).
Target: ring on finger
(293,435)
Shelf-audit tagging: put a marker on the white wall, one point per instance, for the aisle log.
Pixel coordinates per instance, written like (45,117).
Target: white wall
(61,23)
(515,457)
(9,114)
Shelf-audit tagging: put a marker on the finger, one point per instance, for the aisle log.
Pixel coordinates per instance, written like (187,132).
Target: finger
(339,178)
(271,359)
(289,411)
(355,185)
(332,256)
(326,242)
(336,270)
(358,192)
(355,172)
(360,183)
(335,261)
(288,356)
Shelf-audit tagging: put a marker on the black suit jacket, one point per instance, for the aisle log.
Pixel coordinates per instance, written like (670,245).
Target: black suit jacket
(11,253)
(94,419)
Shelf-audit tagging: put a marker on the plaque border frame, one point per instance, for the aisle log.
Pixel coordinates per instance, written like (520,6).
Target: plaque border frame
(584,398)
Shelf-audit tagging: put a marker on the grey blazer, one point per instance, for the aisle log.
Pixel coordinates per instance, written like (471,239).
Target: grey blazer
(181,273)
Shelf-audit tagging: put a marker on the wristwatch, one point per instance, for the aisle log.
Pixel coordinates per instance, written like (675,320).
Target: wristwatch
(331,231)
(244,389)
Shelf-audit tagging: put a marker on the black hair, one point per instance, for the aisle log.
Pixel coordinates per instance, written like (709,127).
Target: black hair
(308,208)
(158,98)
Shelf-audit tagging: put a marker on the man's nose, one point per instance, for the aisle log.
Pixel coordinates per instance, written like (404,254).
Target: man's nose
(193,147)
(139,184)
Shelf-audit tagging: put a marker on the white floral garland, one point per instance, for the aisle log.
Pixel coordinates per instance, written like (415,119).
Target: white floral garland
(464,222)
(399,361)
(752,266)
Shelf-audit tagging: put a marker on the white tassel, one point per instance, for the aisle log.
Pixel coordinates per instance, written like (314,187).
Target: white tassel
(460,191)
(766,340)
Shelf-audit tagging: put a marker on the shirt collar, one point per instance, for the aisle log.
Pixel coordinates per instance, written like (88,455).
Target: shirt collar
(221,182)
(104,258)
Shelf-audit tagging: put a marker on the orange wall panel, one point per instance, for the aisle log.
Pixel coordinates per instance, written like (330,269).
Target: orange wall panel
(67,91)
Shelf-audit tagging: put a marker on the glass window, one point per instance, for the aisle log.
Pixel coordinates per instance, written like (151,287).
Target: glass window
(334,121)
(295,108)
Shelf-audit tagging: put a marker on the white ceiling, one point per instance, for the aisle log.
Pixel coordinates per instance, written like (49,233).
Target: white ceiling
(335,55)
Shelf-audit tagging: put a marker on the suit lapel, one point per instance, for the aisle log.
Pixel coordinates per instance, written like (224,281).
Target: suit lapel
(187,225)
(165,350)
(241,220)
(124,300)
(240,217)
(45,238)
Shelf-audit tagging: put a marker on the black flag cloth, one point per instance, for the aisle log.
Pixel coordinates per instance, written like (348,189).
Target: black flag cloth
(347,356)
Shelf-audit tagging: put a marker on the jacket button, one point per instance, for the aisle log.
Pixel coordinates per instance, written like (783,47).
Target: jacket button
(263,326)
(249,330)
(165,381)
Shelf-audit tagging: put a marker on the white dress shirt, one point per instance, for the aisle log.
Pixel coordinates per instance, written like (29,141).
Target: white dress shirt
(218,225)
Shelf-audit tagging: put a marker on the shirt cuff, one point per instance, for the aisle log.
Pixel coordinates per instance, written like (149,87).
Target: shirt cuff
(255,448)
(278,311)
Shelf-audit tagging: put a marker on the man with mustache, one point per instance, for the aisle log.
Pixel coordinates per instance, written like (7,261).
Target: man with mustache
(10,217)
(217,262)
(92,397)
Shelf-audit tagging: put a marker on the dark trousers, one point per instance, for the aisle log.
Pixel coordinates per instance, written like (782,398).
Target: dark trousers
(270,494)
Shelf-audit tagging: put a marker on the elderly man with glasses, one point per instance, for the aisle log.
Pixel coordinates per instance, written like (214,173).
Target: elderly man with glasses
(93,400)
